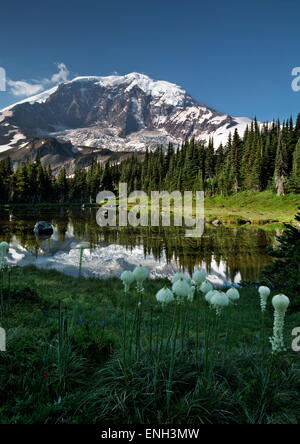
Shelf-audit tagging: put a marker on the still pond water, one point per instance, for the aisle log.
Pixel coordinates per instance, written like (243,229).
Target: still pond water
(227,254)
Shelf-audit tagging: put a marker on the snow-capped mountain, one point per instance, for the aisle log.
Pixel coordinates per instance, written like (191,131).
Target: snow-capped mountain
(120,113)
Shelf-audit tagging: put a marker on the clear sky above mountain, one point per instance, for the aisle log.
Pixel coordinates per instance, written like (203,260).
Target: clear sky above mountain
(234,57)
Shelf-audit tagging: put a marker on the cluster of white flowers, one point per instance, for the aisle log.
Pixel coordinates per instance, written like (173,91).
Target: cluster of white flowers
(139,274)
(3,250)
(264,293)
(183,288)
(219,300)
(280,304)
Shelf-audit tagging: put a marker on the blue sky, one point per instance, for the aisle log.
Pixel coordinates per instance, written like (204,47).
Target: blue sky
(234,56)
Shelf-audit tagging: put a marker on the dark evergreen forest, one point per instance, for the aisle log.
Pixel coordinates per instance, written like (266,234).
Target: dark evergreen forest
(264,158)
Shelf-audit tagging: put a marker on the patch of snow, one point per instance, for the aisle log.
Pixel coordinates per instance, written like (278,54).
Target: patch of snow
(5,148)
(16,138)
(4,114)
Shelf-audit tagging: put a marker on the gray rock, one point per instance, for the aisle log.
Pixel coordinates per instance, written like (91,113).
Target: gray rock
(42,228)
(216,222)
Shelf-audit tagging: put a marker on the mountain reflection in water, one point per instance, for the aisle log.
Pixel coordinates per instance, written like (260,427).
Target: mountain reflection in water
(227,254)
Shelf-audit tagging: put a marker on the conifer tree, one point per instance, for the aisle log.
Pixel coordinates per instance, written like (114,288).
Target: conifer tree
(295,176)
(235,162)
(281,168)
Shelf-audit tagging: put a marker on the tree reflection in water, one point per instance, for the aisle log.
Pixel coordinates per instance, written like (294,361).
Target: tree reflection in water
(242,249)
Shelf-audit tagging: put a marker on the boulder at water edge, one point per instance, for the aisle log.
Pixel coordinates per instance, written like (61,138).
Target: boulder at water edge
(43,229)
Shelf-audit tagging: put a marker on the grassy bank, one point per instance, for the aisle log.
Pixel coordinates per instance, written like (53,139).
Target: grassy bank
(258,208)
(65,360)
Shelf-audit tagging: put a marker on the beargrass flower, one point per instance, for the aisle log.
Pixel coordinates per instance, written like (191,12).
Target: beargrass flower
(165,296)
(127,278)
(178,276)
(199,277)
(3,250)
(233,294)
(219,301)
(206,287)
(181,288)
(209,295)
(280,304)
(140,274)
(264,293)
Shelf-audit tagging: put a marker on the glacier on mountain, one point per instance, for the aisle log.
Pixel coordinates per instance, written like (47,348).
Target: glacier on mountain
(121,113)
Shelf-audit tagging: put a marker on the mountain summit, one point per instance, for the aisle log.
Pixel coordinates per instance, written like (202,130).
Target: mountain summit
(120,113)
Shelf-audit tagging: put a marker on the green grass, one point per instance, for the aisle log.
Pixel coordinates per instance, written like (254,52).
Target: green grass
(64,362)
(258,208)
(261,209)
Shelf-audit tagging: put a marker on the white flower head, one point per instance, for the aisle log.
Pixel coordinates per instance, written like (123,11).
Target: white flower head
(206,287)
(233,294)
(127,278)
(199,277)
(181,288)
(209,295)
(264,293)
(280,304)
(140,274)
(3,250)
(219,301)
(165,296)
(178,276)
